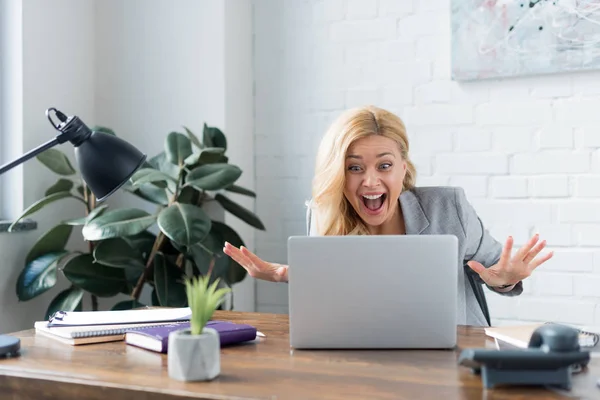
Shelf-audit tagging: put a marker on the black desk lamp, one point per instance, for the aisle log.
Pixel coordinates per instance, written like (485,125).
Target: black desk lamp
(105,162)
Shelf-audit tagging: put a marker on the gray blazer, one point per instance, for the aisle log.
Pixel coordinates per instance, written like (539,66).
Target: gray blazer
(446,210)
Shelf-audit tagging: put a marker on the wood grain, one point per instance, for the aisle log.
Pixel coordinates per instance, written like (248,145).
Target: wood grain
(264,370)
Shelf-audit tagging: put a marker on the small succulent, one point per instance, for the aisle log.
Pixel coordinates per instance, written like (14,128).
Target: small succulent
(203,300)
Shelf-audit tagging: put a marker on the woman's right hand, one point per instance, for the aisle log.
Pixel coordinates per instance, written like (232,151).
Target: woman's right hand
(256,267)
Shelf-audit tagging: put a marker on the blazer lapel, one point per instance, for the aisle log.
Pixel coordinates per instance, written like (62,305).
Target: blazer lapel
(415,220)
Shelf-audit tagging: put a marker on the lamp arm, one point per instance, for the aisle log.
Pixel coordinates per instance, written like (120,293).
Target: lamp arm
(30,154)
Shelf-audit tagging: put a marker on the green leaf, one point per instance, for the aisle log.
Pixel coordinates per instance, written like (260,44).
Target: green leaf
(241,212)
(53,241)
(96,212)
(67,300)
(193,138)
(118,223)
(62,185)
(202,258)
(150,193)
(184,224)
(56,161)
(206,156)
(95,278)
(38,205)
(133,273)
(141,243)
(127,305)
(211,155)
(103,129)
(168,281)
(240,190)
(192,159)
(154,298)
(225,267)
(162,163)
(80,190)
(213,176)
(116,252)
(213,137)
(38,276)
(203,299)
(151,175)
(178,147)
(188,195)
(93,214)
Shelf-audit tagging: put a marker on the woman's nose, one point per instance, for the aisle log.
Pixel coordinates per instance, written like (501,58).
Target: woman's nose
(371,179)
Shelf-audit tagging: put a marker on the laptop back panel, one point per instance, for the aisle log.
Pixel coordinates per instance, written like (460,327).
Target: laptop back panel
(373,291)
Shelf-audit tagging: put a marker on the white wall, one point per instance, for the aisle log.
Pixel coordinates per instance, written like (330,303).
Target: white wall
(163,64)
(144,68)
(525,149)
(51,67)
(11,102)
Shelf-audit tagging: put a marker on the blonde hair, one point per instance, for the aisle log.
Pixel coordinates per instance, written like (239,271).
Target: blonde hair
(333,213)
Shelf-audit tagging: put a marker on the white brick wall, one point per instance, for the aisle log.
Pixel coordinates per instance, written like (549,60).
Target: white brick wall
(526,150)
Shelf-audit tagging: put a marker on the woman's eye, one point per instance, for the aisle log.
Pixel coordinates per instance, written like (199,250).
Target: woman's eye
(354,168)
(386,166)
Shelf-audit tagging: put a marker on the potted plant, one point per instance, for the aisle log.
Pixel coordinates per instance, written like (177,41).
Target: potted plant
(130,247)
(195,353)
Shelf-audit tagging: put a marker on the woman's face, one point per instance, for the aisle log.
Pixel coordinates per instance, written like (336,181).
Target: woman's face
(375,171)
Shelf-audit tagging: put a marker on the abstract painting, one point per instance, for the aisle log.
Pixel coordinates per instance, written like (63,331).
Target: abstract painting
(502,38)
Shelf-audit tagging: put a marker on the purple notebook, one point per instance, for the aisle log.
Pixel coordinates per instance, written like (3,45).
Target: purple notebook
(156,338)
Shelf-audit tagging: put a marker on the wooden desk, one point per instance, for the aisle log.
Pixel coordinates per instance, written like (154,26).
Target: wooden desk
(265,370)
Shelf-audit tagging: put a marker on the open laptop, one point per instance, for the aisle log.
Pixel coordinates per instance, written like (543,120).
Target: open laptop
(373,291)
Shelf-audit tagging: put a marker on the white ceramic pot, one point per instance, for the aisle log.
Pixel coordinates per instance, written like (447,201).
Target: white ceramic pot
(194,357)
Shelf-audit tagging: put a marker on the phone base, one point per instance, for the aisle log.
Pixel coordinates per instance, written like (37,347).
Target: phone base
(560,377)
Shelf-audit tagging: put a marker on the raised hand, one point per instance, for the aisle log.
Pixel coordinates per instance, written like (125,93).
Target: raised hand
(512,269)
(256,267)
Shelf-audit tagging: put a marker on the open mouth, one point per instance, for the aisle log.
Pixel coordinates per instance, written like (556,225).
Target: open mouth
(374,202)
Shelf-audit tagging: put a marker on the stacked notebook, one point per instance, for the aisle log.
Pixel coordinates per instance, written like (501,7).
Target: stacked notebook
(146,328)
(156,338)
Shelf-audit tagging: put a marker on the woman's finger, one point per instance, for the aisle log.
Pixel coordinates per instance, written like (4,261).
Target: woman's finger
(238,256)
(231,250)
(539,261)
(506,251)
(534,252)
(522,252)
(254,258)
(243,261)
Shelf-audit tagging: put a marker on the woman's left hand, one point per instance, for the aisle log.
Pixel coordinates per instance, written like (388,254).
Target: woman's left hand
(512,269)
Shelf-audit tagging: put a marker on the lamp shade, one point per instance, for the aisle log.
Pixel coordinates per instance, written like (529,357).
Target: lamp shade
(106,162)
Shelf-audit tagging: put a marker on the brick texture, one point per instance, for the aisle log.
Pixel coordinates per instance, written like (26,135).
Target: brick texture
(526,150)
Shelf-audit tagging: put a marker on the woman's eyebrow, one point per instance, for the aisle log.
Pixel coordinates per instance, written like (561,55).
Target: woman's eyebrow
(387,153)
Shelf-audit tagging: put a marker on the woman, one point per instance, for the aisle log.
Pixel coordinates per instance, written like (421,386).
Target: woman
(365,185)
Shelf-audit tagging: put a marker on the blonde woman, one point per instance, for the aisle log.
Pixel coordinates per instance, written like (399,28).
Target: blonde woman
(365,185)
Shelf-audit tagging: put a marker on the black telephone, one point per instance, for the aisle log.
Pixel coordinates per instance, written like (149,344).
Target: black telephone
(552,353)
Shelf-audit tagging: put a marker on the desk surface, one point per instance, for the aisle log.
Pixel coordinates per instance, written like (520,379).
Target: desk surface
(264,370)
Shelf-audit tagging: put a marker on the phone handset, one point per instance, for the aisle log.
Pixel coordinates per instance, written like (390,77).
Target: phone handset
(555,337)
(552,352)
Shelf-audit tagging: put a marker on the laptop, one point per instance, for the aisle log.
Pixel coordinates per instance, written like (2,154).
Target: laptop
(373,291)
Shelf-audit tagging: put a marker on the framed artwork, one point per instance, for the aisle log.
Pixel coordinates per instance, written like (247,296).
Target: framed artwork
(504,38)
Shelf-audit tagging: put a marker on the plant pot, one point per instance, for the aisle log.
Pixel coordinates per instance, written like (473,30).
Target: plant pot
(194,357)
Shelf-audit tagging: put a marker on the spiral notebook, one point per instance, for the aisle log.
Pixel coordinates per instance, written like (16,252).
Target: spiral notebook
(84,327)
(77,335)
(136,316)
